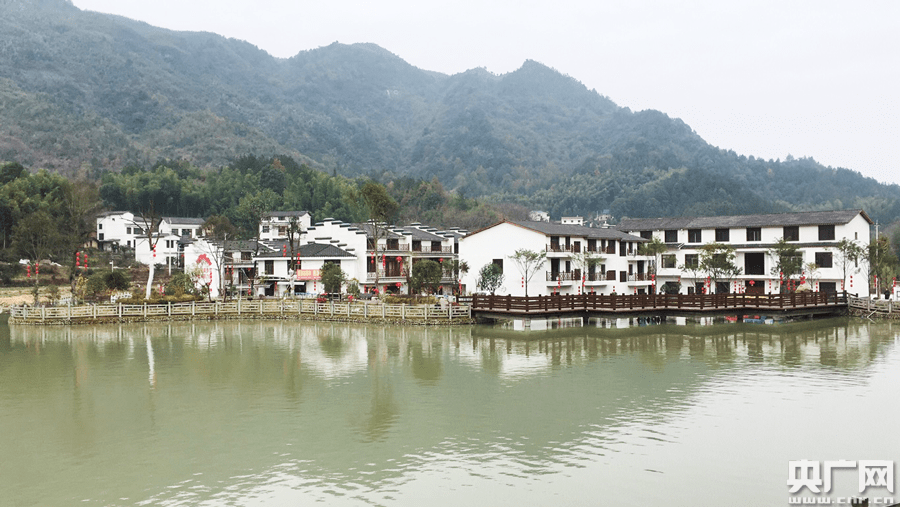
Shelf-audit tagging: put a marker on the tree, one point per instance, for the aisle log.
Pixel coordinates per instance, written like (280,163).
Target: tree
(253,208)
(528,262)
(717,260)
(653,248)
(692,267)
(381,209)
(426,274)
(588,261)
(36,237)
(333,277)
(81,201)
(456,269)
(490,278)
(149,221)
(788,262)
(812,274)
(849,253)
(882,262)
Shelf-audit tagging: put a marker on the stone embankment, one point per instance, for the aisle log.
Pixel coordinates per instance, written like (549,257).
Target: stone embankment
(362,312)
(874,308)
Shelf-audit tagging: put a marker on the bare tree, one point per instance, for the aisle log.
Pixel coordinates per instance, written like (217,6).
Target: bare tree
(149,222)
(528,262)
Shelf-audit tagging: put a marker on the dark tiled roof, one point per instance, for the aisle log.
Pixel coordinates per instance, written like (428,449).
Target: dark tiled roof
(732,221)
(184,220)
(419,234)
(555,229)
(286,213)
(367,228)
(274,249)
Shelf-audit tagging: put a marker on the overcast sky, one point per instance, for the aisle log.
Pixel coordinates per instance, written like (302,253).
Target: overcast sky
(807,78)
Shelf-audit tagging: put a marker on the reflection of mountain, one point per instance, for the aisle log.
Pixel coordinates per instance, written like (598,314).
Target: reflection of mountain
(328,409)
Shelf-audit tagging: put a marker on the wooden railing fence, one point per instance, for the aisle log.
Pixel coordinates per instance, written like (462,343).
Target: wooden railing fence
(638,302)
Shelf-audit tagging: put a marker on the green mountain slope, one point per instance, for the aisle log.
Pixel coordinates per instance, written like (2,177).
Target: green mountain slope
(84,89)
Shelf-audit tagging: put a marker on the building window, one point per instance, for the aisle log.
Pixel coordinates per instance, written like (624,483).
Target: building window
(270,267)
(754,234)
(265,229)
(722,235)
(691,261)
(498,263)
(128,230)
(823,259)
(668,261)
(695,236)
(826,232)
(246,256)
(647,234)
(672,236)
(186,232)
(100,236)
(792,233)
(100,226)
(138,231)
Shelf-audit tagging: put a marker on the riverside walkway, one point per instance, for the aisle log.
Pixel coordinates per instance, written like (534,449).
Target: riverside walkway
(242,309)
(596,305)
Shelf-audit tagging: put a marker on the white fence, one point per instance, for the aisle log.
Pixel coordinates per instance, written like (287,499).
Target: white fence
(239,308)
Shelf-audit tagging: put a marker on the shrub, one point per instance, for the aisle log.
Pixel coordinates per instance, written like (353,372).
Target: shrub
(117,280)
(96,284)
(180,284)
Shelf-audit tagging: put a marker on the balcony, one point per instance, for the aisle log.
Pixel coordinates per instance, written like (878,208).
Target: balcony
(554,248)
(428,249)
(563,276)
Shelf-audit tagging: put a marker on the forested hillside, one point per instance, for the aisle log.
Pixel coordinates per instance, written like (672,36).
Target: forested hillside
(82,91)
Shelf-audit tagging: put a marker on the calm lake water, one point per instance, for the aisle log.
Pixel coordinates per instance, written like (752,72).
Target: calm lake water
(295,413)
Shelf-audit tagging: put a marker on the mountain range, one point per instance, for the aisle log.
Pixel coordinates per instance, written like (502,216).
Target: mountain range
(90,92)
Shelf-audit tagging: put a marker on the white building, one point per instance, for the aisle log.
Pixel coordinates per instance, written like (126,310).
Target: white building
(276,224)
(816,235)
(174,234)
(117,229)
(386,268)
(617,267)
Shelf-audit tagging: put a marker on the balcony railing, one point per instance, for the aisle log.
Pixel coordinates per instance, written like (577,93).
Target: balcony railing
(428,249)
(554,248)
(563,276)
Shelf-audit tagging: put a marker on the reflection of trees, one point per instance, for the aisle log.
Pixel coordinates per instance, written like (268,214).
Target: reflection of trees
(426,363)
(384,410)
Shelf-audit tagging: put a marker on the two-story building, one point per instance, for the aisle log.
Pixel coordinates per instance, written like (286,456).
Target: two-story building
(173,234)
(117,230)
(578,259)
(816,235)
(276,225)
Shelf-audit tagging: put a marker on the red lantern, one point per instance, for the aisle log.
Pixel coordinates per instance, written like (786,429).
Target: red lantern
(85,261)
(441,259)
(399,259)
(752,283)
(398,285)
(284,250)
(28,271)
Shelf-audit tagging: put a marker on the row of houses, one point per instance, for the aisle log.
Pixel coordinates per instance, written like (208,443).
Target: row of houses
(292,250)
(607,260)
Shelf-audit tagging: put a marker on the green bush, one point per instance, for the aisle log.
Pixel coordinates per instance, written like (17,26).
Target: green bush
(96,284)
(180,284)
(410,300)
(117,280)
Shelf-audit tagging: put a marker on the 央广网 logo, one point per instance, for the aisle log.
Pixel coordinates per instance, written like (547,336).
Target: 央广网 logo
(814,477)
